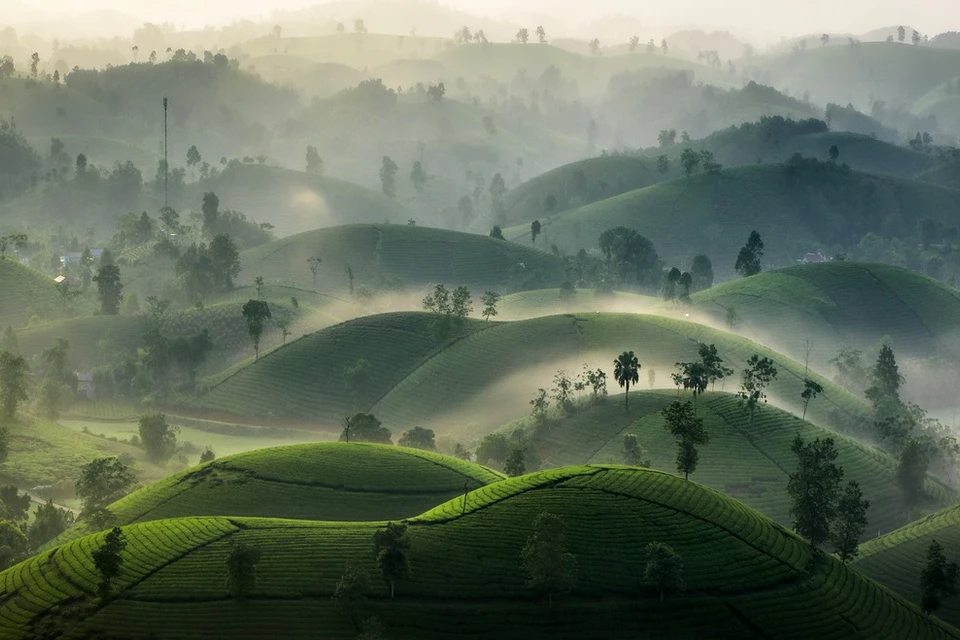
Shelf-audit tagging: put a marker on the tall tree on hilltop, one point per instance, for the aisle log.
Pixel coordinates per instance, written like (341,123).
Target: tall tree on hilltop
(681,420)
(748,260)
(626,370)
(255,313)
(108,559)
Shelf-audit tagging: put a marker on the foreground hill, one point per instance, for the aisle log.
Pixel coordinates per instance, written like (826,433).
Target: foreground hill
(480,377)
(749,461)
(324,481)
(544,302)
(896,559)
(797,207)
(745,576)
(394,256)
(850,304)
(24,293)
(294,201)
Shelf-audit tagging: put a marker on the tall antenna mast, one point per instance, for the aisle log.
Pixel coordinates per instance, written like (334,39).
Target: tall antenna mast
(166,171)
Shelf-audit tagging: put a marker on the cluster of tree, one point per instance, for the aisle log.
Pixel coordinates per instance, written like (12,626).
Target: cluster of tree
(20,533)
(564,388)
(631,258)
(698,374)
(515,453)
(208,269)
(694,162)
(451,309)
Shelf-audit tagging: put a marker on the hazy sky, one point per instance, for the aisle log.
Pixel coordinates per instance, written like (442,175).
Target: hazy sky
(771,18)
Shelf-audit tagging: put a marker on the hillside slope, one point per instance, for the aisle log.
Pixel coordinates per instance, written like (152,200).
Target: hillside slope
(392,256)
(796,207)
(479,378)
(896,559)
(745,576)
(749,461)
(24,293)
(324,481)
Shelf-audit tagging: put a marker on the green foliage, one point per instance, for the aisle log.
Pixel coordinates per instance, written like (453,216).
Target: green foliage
(109,289)
(938,580)
(626,370)
(350,596)
(515,464)
(550,568)
(633,453)
(814,488)
(12,543)
(108,559)
(664,570)
(102,482)
(631,257)
(391,548)
(419,438)
(157,437)
(256,312)
(755,378)
(811,389)
(13,382)
(850,523)
(748,260)
(364,427)
(540,404)
(388,177)
(490,300)
(49,521)
(15,507)
(242,564)
(681,420)
(912,469)
(494,447)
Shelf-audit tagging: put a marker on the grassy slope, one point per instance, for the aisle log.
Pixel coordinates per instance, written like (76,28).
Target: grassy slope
(839,303)
(619,173)
(896,559)
(749,462)
(480,380)
(715,214)
(414,255)
(541,302)
(745,576)
(23,293)
(862,152)
(324,481)
(942,102)
(294,201)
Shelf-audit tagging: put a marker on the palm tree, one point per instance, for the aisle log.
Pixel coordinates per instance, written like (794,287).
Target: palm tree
(626,369)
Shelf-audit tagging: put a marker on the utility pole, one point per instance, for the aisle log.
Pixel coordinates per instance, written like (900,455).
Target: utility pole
(166,171)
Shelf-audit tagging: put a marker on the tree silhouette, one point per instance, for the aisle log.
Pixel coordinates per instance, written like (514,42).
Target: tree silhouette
(255,312)
(748,260)
(626,370)
(681,421)
(390,549)
(550,568)
(664,569)
(938,580)
(535,229)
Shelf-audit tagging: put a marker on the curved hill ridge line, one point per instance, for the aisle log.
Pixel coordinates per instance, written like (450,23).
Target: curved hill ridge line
(910,309)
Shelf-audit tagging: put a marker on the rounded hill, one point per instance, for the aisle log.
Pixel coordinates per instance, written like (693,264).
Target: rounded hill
(580,183)
(896,559)
(841,303)
(744,575)
(294,201)
(798,207)
(25,293)
(749,460)
(334,481)
(394,256)
(479,377)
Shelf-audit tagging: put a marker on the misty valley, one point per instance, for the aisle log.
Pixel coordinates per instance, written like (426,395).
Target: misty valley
(396,319)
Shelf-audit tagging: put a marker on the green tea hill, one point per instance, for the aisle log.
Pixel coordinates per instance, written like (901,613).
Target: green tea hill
(324,481)
(745,576)
(25,293)
(896,559)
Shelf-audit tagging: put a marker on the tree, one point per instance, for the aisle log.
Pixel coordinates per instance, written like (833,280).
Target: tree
(494,447)
(631,256)
(633,453)
(664,569)
(461,304)
(498,189)
(390,548)
(690,161)
(13,543)
(193,156)
(108,559)
(851,522)
(523,35)
(884,393)
(712,363)
(489,301)
(916,38)
(938,579)
(633,43)
(102,482)
(418,177)
(814,488)
(595,47)
(626,370)
(901,34)
(681,420)
(207,456)
(702,272)
(49,521)
(7,67)
(550,568)
(693,376)
(515,464)
(17,240)
(313,263)
(496,232)
(419,438)
(15,507)
(810,391)
(824,39)
(242,569)
(540,405)
(748,260)
(359,27)
(912,470)
(542,34)
(759,373)
(211,212)
(535,229)
(364,427)
(388,177)
(834,152)
(313,160)
(465,208)
(663,163)
(13,382)
(34,63)
(349,597)
(109,289)
(158,439)
(255,312)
